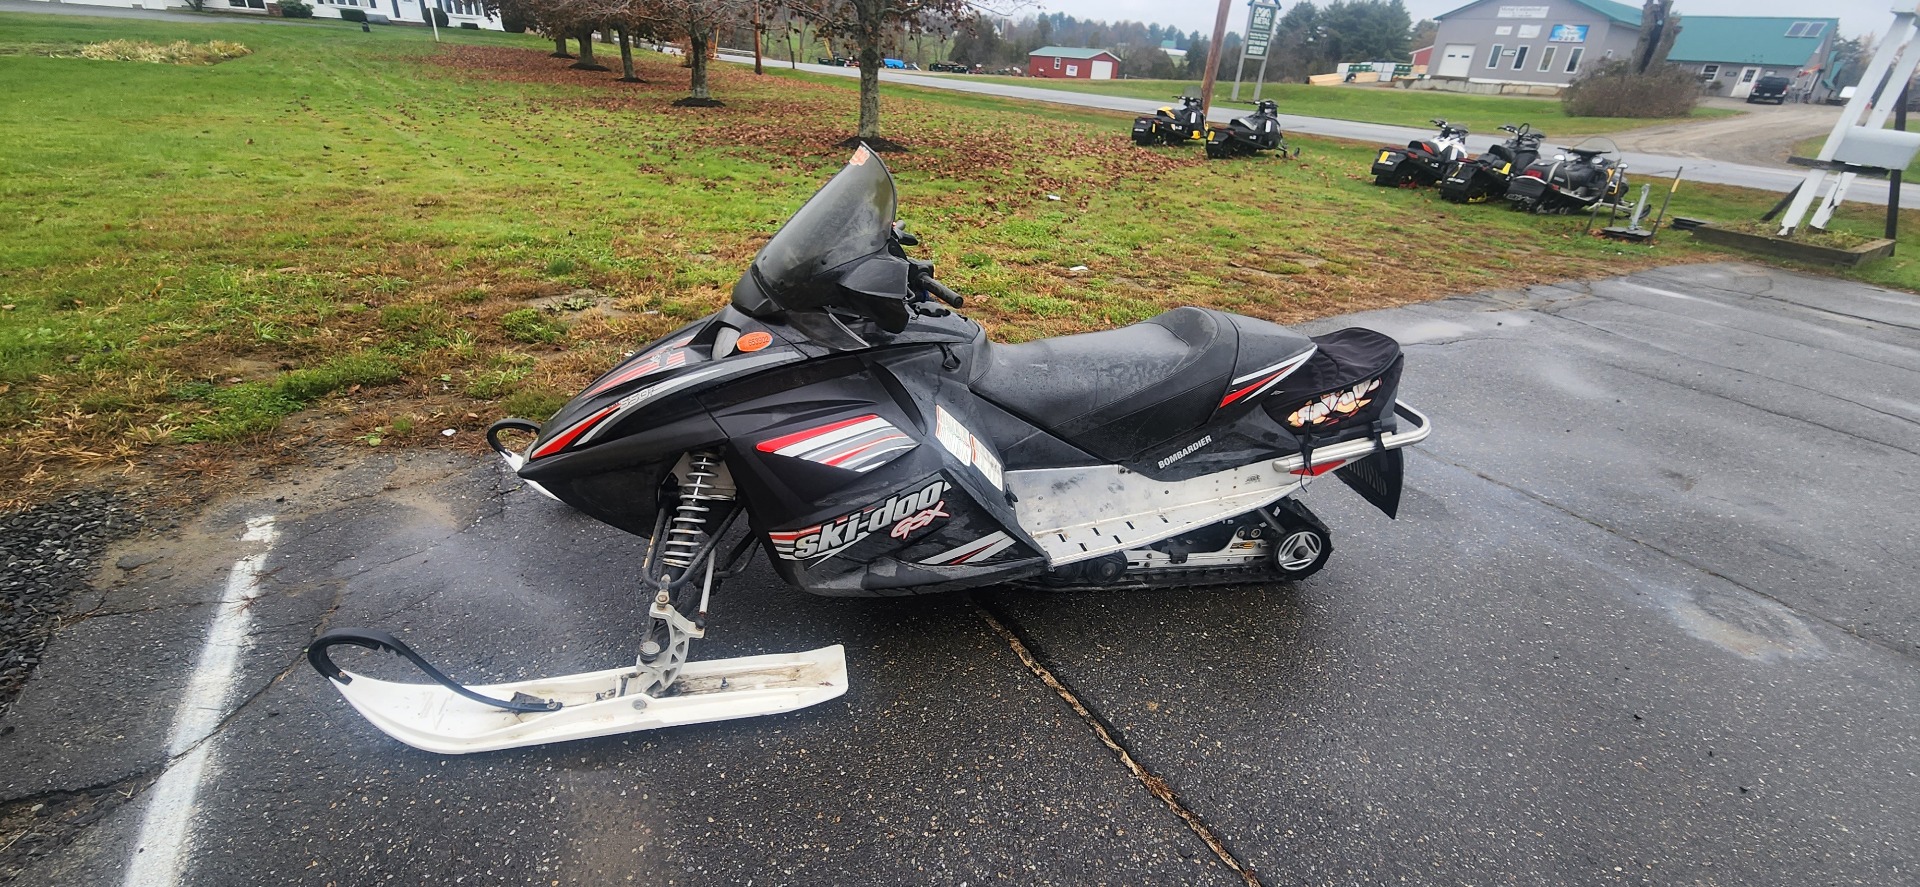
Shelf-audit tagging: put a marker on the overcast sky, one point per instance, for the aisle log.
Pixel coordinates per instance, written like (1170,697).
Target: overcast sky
(1856,16)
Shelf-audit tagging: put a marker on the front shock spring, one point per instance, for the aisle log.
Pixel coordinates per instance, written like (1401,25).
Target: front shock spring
(689,522)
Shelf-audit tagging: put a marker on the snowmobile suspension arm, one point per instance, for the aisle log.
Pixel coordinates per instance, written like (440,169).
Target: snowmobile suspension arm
(373,639)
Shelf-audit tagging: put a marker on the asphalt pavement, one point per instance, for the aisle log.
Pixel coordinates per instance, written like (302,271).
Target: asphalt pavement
(1646,618)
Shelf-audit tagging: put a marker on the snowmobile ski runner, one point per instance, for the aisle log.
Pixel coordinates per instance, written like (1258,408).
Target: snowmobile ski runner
(841,417)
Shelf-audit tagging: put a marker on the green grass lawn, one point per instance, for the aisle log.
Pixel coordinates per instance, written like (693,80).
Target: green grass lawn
(367,238)
(1402,107)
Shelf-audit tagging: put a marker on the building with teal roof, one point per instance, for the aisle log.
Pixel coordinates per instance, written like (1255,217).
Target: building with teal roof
(1510,45)
(1736,51)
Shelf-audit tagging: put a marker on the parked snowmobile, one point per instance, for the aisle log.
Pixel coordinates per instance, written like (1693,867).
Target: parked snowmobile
(1422,161)
(1170,126)
(872,442)
(1486,176)
(1570,181)
(1256,132)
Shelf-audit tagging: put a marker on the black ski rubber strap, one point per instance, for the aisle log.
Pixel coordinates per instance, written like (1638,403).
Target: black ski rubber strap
(373,639)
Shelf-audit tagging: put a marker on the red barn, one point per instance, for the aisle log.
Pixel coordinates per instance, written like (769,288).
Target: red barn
(1064,61)
(1421,59)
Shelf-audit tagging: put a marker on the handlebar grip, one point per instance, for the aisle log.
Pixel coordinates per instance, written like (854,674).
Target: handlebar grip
(946,295)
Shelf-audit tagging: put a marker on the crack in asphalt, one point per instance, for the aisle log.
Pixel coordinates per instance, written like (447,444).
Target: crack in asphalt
(1110,736)
(64,814)
(1901,652)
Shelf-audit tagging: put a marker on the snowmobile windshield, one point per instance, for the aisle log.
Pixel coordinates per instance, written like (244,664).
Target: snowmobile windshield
(847,220)
(1595,145)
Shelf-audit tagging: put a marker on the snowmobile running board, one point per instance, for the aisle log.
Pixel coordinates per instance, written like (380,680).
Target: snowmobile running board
(437,718)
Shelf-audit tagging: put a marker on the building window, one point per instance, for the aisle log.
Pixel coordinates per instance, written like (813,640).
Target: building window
(1056,63)
(1546,58)
(1493,58)
(1520,57)
(1709,72)
(1573,58)
(1807,29)
(1073,70)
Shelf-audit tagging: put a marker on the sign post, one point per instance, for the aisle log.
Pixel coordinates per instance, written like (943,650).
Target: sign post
(1262,17)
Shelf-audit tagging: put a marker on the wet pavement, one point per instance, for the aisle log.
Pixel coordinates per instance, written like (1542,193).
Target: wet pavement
(1646,618)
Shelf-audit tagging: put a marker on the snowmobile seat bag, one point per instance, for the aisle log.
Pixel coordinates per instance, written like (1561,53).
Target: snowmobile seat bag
(1118,392)
(1348,384)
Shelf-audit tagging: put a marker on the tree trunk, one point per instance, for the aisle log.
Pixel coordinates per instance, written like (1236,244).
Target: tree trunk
(560,49)
(870,64)
(586,62)
(698,44)
(756,40)
(626,58)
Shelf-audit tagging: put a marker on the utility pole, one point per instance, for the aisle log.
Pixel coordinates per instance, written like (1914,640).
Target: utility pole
(1213,54)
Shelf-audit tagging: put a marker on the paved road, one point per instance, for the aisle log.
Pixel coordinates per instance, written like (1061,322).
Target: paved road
(1699,169)
(1646,619)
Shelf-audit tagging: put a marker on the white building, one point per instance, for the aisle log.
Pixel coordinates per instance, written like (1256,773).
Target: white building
(414,11)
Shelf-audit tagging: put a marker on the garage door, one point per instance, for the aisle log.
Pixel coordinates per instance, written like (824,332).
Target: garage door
(1102,70)
(1456,61)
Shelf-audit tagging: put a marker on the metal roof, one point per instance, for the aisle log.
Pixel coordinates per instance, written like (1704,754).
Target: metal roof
(1069,52)
(1619,12)
(1754,41)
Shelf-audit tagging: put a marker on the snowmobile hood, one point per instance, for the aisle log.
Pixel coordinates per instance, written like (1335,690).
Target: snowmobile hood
(705,353)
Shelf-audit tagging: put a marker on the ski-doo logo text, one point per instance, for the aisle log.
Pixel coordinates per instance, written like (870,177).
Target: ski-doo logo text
(1186,451)
(906,513)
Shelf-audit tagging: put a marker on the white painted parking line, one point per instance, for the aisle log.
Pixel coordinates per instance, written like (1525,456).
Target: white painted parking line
(159,854)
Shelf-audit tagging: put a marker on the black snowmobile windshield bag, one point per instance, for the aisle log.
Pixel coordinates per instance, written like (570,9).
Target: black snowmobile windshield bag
(844,224)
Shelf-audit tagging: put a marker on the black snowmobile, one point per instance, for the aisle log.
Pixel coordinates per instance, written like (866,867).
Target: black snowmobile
(1171,126)
(1422,161)
(872,442)
(1252,134)
(1485,177)
(1571,181)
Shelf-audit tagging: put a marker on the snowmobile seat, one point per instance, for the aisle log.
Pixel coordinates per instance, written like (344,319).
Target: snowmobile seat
(1116,393)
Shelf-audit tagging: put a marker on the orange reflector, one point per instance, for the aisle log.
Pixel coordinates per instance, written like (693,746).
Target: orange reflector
(754,341)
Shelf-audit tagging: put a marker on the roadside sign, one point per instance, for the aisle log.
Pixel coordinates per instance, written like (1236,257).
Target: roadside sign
(1262,15)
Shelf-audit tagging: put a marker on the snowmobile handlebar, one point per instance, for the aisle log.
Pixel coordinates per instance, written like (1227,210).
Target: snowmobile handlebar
(940,290)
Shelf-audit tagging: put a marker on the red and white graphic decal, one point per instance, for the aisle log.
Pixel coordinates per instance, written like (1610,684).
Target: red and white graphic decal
(981,549)
(671,357)
(1320,469)
(860,444)
(827,539)
(561,440)
(1331,409)
(1259,381)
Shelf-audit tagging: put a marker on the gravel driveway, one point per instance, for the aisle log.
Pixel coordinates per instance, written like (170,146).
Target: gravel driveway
(1763,136)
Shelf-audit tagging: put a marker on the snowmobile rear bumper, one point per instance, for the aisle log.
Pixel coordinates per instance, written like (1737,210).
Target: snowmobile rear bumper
(434,718)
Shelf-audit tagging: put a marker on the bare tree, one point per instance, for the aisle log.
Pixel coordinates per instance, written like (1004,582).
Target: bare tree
(872,26)
(697,20)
